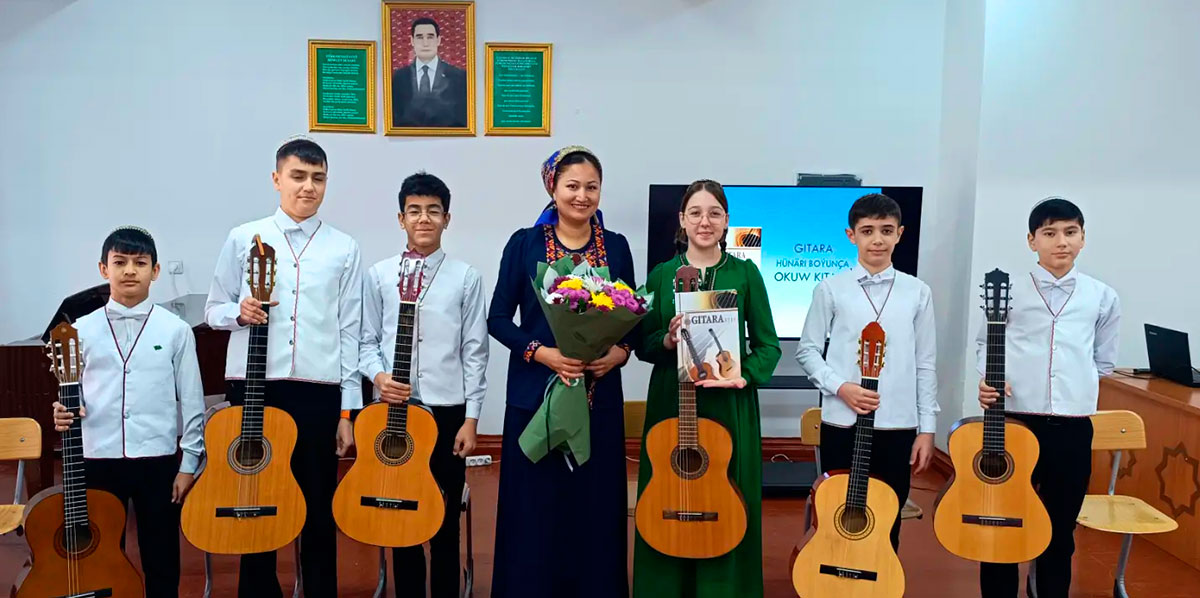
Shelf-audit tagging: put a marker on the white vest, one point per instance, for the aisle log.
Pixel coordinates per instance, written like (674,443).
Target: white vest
(1049,360)
(132,409)
(898,379)
(305,341)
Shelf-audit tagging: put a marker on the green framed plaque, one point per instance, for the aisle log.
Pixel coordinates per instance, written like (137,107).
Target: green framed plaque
(341,86)
(517,89)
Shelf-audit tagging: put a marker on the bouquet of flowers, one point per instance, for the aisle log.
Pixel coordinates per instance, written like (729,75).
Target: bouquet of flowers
(588,313)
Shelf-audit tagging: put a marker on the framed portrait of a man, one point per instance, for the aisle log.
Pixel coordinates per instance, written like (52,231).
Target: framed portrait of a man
(429,68)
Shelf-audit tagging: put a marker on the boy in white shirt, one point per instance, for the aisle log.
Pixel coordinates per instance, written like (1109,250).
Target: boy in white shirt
(312,350)
(448,372)
(906,405)
(1061,337)
(140,372)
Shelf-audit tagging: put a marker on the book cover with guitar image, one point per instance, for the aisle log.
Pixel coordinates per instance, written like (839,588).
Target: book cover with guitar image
(710,338)
(745,242)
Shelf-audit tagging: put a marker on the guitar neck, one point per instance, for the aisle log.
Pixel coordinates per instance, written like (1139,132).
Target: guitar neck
(994,376)
(689,434)
(860,465)
(256,378)
(75,507)
(406,324)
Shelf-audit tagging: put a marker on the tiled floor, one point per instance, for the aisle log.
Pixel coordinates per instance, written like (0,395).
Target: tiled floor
(930,570)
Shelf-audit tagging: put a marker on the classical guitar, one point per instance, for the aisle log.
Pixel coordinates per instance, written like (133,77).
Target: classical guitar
(850,555)
(389,496)
(990,512)
(689,508)
(74,533)
(700,369)
(246,500)
(725,364)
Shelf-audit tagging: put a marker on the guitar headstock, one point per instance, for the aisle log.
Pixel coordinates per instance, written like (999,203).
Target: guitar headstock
(261,270)
(996,295)
(687,279)
(870,350)
(65,353)
(411,276)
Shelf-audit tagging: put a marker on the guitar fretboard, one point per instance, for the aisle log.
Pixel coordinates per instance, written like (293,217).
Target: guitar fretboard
(397,419)
(689,434)
(75,508)
(256,376)
(994,375)
(860,465)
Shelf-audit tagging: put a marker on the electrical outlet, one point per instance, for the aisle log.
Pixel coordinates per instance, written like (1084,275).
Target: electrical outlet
(174,267)
(478,460)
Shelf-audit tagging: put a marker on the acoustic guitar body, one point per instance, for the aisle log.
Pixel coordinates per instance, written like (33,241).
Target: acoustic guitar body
(389,496)
(247,499)
(97,565)
(689,508)
(993,519)
(850,554)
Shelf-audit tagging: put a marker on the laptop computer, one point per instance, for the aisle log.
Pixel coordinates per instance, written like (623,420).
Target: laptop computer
(1169,355)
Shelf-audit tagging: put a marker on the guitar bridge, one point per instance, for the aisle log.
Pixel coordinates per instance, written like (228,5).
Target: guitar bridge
(990,521)
(104,593)
(395,504)
(247,512)
(848,573)
(687,516)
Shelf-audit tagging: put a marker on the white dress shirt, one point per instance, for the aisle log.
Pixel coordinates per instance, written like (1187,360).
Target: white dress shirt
(451,338)
(433,67)
(1061,337)
(314,330)
(842,306)
(140,372)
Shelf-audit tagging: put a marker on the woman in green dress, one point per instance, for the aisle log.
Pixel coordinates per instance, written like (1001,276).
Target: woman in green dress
(704,221)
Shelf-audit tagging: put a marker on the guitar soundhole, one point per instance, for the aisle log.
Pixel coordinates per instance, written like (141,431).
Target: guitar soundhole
(392,448)
(76,541)
(853,522)
(689,463)
(993,468)
(249,456)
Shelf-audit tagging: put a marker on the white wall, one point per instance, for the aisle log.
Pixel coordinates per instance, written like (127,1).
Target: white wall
(167,115)
(1096,101)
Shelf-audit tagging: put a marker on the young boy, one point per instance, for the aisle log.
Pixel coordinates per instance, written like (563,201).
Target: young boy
(451,355)
(312,350)
(141,372)
(906,405)
(1061,337)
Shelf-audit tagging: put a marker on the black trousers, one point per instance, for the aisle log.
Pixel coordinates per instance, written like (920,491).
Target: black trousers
(147,481)
(450,471)
(316,409)
(1061,479)
(890,452)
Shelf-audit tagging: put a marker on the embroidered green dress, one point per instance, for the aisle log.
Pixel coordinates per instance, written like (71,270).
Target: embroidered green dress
(738,573)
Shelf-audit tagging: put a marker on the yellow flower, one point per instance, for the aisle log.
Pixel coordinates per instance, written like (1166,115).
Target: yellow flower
(620,286)
(571,283)
(601,301)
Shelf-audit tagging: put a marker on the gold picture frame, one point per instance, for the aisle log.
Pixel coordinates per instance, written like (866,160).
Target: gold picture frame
(344,122)
(518,121)
(448,107)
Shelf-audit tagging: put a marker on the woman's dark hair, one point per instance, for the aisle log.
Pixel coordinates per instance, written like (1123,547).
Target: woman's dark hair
(717,191)
(577,158)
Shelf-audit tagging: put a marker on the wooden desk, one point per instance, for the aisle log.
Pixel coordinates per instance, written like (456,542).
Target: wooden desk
(1166,474)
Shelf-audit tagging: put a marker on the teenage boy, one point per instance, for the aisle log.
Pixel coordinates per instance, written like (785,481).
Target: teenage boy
(312,350)
(905,405)
(1061,337)
(141,373)
(451,354)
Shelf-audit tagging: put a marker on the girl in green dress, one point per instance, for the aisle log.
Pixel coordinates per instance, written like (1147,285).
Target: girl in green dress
(703,222)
